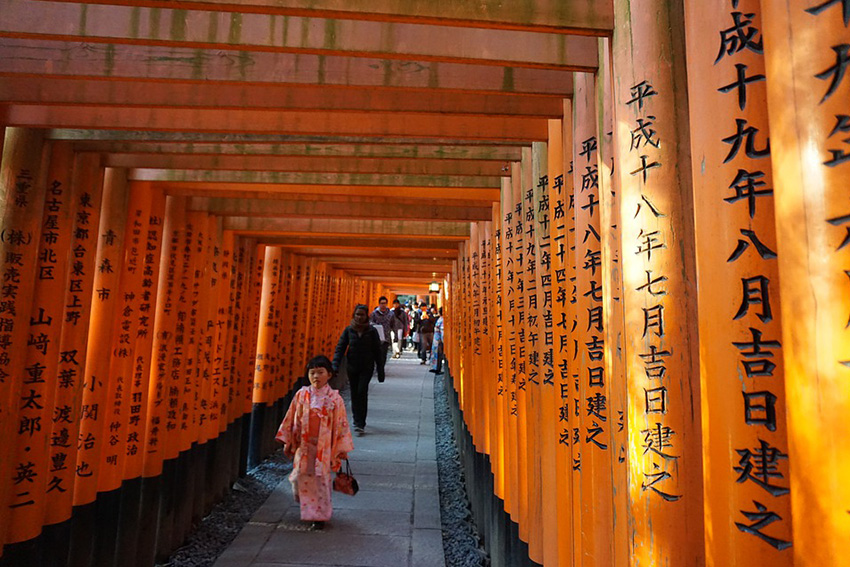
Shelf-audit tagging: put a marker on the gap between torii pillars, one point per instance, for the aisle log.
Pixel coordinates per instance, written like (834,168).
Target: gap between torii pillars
(807,59)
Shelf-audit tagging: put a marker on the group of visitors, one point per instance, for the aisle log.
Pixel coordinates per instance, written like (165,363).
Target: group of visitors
(315,431)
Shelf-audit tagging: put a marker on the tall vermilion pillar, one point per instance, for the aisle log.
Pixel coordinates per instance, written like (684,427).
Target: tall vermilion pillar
(595,429)
(559,188)
(497,395)
(612,300)
(745,449)
(109,259)
(37,408)
(661,361)
(807,57)
(530,341)
(87,192)
(22,184)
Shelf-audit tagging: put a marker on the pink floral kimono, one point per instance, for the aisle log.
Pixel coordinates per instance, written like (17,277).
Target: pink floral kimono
(316,426)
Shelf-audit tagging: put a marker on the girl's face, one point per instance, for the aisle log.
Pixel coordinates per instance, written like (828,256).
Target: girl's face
(361,317)
(318,377)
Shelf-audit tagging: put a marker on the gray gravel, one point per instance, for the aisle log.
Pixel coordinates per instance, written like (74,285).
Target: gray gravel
(222,525)
(461,543)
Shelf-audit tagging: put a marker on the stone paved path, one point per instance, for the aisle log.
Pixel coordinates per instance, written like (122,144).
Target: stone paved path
(394,521)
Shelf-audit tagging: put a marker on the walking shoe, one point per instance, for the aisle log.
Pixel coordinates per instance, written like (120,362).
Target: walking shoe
(317,526)
(422,363)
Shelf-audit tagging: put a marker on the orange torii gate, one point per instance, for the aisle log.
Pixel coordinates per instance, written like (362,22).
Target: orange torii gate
(636,211)
(674,365)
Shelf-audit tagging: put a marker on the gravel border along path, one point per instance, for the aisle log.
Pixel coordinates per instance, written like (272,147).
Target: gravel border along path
(461,542)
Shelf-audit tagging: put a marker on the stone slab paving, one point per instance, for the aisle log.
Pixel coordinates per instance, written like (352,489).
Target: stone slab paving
(394,521)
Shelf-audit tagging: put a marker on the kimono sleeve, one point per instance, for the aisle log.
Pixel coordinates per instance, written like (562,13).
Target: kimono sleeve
(289,431)
(341,443)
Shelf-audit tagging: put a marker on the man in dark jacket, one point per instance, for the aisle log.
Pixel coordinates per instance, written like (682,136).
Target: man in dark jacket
(383,316)
(363,346)
(426,334)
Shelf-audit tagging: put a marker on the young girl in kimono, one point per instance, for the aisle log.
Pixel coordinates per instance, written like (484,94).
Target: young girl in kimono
(316,435)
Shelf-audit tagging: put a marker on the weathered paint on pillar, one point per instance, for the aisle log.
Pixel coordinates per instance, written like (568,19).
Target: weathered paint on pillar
(87,193)
(547,412)
(498,393)
(96,384)
(264,376)
(172,337)
(559,407)
(807,54)
(162,413)
(743,393)
(612,303)
(37,397)
(512,296)
(119,441)
(150,253)
(593,386)
(661,356)
(23,179)
(530,317)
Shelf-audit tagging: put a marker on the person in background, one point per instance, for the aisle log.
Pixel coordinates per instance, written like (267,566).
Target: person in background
(437,346)
(426,333)
(316,436)
(408,332)
(415,322)
(362,345)
(399,327)
(383,316)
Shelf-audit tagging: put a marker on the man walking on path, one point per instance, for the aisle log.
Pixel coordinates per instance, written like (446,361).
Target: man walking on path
(426,333)
(399,326)
(383,317)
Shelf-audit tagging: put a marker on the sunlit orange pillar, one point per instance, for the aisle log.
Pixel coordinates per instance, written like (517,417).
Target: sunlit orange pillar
(612,302)
(509,248)
(264,376)
(593,384)
(547,412)
(807,55)
(661,358)
(559,407)
(743,394)
(497,393)
(23,183)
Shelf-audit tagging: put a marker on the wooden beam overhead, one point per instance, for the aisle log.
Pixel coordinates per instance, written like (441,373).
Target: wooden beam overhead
(39,58)
(125,92)
(254,32)
(285,178)
(499,154)
(424,247)
(355,253)
(187,136)
(591,17)
(261,121)
(340,209)
(422,195)
(319,164)
(378,230)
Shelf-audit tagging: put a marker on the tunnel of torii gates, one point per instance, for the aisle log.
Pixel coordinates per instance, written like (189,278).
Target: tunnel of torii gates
(638,213)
